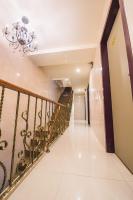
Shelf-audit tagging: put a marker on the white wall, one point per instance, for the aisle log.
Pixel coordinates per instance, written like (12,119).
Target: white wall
(96,104)
(79,107)
(129,12)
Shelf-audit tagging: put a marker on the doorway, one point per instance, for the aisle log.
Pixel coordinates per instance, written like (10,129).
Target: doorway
(79,107)
(117,84)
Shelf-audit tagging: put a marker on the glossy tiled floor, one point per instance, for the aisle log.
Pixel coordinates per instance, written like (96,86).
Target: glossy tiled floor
(77,168)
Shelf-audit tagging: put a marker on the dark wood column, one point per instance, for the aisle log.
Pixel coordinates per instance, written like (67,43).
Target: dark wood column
(116,6)
(88,104)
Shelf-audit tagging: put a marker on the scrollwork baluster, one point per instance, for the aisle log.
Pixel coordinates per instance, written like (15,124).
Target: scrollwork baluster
(38,138)
(32,141)
(45,120)
(3,143)
(35,114)
(48,131)
(26,134)
(45,126)
(14,139)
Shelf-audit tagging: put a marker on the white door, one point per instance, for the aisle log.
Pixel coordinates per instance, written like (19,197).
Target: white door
(79,107)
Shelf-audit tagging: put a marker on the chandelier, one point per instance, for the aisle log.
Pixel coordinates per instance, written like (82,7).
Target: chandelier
(19,37)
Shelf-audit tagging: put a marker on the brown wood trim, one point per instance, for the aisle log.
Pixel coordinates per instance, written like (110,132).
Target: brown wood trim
(109,130)
(116,5)
(88,104)
(114,8)
(128,41)
(24,91)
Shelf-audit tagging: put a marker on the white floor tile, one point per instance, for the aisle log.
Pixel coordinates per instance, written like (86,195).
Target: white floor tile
(81,188)
(131,184)
(77,168)
(39,185)
(126,174)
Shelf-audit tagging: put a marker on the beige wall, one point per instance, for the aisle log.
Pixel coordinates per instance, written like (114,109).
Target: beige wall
(19,70)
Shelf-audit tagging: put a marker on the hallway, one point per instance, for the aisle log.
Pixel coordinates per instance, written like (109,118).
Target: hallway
(77,168)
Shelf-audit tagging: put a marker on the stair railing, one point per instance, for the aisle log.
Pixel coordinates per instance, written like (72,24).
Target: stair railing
(29,123)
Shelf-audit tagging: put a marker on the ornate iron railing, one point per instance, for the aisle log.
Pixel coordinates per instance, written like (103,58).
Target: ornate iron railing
(29,123)
(66,99)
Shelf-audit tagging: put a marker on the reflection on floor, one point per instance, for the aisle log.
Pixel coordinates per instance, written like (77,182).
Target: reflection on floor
(77,168)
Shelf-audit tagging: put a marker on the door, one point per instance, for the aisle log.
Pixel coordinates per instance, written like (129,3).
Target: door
(122,102)
(79,107)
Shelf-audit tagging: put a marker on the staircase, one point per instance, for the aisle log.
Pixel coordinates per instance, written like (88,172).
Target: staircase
(50,120)
(66,99)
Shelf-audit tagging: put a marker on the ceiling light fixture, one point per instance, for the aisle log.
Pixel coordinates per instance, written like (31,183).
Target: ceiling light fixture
(18,74)
(19,37)
(78,70)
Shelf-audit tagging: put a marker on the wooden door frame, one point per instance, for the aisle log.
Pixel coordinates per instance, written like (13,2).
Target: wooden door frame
(88,104)
(116,5)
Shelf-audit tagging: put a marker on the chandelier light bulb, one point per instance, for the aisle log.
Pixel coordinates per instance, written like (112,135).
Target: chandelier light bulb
(78,70)
(25,20)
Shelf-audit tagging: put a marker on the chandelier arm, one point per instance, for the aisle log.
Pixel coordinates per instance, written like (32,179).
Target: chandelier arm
(26,43)
(30,41)
(29,49)
(24,50)
(10,40)
(16,46)
(13,44)
(17,35)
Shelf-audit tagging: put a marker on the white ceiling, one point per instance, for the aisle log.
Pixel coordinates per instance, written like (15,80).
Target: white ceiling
(62,65)
(67,71)
(75,56)
(67,31)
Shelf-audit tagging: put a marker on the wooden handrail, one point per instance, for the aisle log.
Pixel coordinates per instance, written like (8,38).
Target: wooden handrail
(24,91)
(46,126)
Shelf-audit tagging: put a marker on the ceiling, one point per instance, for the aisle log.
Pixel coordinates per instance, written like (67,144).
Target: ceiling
(69,72)
(75,56)
(67,33)
(62,65)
